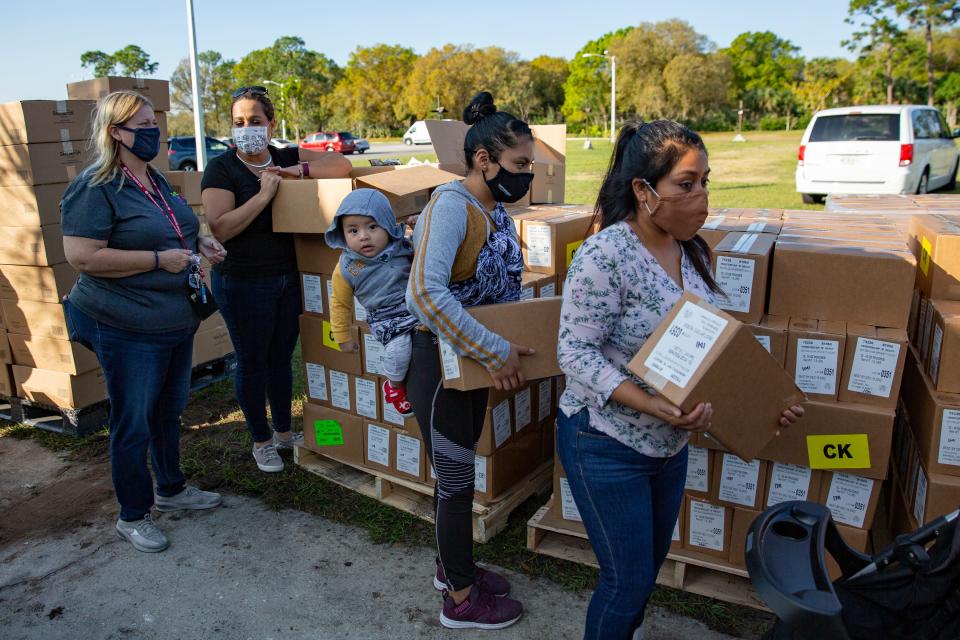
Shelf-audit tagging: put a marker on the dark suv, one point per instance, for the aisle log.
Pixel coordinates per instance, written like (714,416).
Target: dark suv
(183,152)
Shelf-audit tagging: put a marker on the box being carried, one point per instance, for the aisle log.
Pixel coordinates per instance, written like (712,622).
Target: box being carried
(33,121)
(157,91)
(701,354)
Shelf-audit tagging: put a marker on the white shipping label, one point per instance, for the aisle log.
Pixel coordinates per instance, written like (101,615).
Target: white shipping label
(378,445)
(526,293)
(848,498)
(480,473)
(340,390)
(735,277)
(548,290)
(698,469)
(373,354)
(788,482)
(949,452)
(448,357)
(739,480)
(312,294)
(567,503)
(544,399)
(920,497)
(817,365)
(707,525)
(765,341)
(366,397)
(521,409)
(539,245)
(390,413)
(358,311)
(681,350)
(317,381)
(408,455)
(935,353)
(874,367)
(329,293)
(501,422)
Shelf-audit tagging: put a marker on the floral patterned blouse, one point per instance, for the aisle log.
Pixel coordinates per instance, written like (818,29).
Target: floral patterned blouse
(615,295)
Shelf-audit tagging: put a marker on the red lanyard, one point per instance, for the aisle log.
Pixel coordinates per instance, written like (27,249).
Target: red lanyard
(165,209)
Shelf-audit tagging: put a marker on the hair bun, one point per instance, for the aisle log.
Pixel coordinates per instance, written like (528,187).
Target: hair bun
(479,108)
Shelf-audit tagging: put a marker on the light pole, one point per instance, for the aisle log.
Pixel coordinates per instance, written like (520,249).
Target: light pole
(199,129)
(283,107)
(613,90)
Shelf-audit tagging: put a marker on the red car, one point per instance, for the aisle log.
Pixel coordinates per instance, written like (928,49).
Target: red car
(340,141)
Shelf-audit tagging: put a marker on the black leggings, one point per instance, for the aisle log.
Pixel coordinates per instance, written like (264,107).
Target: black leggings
(450,423)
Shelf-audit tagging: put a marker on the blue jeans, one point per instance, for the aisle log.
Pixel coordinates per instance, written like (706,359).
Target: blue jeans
(629,503)
(262,315)
(148,382)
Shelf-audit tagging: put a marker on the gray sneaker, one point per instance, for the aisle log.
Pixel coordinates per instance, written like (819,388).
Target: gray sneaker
(267,458)
(143,535)
(189,498)
(296,438)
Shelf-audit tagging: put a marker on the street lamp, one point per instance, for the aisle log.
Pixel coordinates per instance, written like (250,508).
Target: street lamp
(613,90)
(198,126)
(283,107)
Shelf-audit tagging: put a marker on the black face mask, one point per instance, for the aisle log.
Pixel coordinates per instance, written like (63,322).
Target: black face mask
(508,186)
(146,142)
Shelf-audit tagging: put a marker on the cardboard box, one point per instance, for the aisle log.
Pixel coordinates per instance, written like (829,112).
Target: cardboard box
(786,482)
(550,241)
(531,323)
(873,365)
(737,483)
(38,319)
(549,163)
(157,91)
(373,351)
(701,354)
(537,285)
(8,388)
(497,424)
(708,528)
(935,420)
(524,404)
(315,296)
(26,206)
(408,189)
(943,364)
(317,384)
(447,137)
(547,400)
(313,254)
(52,354)
(6,356)
(33,121)
(700,468)
(815,351)
(937,247)
(742,521)
(318,346)
(187,184)
(501,471)
(741,263)
(43,163)
(771,332)
(852,499)
(211,344)
(390,415)
(836,282)
(563,499)
(333,433)
(60,389)
(41,246)
(40,284)
(934,495)
(837,436)
(410,456)
(378,446)
(858,539)
(924,324)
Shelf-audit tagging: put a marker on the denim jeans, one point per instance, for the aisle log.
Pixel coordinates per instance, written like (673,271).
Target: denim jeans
(629,503)
(148,382)
(262,315)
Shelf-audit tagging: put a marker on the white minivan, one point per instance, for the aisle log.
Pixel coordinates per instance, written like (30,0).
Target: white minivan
(417,133)
(876,149)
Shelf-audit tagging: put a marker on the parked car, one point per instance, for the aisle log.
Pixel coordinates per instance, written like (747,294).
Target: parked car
(362,144)
(282,143)
(340,141)
(417,133)
(876,149)
(183,151)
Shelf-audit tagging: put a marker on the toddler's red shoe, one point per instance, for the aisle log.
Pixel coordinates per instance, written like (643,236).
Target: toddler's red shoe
(398,398)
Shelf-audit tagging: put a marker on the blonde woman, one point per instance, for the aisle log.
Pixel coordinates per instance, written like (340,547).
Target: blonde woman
(135,243)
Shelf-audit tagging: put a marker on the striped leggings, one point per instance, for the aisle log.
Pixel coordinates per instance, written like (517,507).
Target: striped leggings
(450,423)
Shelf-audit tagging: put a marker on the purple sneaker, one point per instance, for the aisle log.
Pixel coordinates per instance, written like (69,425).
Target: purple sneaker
(480,610)
(488,581)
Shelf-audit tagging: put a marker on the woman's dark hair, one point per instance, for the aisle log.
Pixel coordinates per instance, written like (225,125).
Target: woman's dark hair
(254,93)
(491,129)
(649,151)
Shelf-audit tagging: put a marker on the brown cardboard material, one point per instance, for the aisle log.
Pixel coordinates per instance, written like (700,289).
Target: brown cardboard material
(943,363)
(39,319)
(157,91)
(873,365)
(549,241)
(40,284)
(409,456)
(742,520)
(815,351)
(935,420)
(33,121)
(498,425)
(565,506)
(707,528)
(852,499)
(43,163)
(934,495)
(701,463)
(211,345)
(549,163)
(501,471)
(701,354)
(835,282)
(741,263)
(531,323)
(858,539)
(327,423)
(407,189)
(313,254)
(41,246)
(8,388)
(52,354)
(937,247)
(26,206)
(447,137)
(317,345)
(924,322)
(6,356)
(537,285)
(738,484)
(187,184)
(771,332)
(379,448)
(787,482)
(60,389)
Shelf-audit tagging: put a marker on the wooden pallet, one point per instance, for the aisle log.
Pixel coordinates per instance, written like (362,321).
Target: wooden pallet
(206,374)
(702,575)
(417,499)
(71,422)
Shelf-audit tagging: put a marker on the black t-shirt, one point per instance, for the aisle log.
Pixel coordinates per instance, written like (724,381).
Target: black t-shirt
(256,250)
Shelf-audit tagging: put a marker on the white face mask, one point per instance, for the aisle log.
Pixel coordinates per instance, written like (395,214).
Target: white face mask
(250,140)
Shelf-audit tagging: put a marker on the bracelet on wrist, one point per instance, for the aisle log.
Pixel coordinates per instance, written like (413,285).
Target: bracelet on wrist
(156,260)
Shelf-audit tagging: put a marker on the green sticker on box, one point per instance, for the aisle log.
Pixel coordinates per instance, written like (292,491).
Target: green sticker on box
(327,433)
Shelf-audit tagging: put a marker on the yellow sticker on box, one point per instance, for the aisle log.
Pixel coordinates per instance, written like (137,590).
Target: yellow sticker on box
(571,250)
(926,249)
(328,340)
(839,451)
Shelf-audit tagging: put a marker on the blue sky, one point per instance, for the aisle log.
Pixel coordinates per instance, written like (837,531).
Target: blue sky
(43,48)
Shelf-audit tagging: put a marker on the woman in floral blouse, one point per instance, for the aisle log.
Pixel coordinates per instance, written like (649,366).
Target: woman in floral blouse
(623,447)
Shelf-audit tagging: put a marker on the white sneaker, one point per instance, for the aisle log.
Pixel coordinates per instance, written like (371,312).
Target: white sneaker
(267,458)
(296,438)
(143,535)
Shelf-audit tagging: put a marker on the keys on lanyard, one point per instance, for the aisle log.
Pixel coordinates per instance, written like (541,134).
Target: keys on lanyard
(195,278)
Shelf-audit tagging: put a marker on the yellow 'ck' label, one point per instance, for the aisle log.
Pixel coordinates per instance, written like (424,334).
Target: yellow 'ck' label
(925,250)
(572,249)
(839,451)
(328,340)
